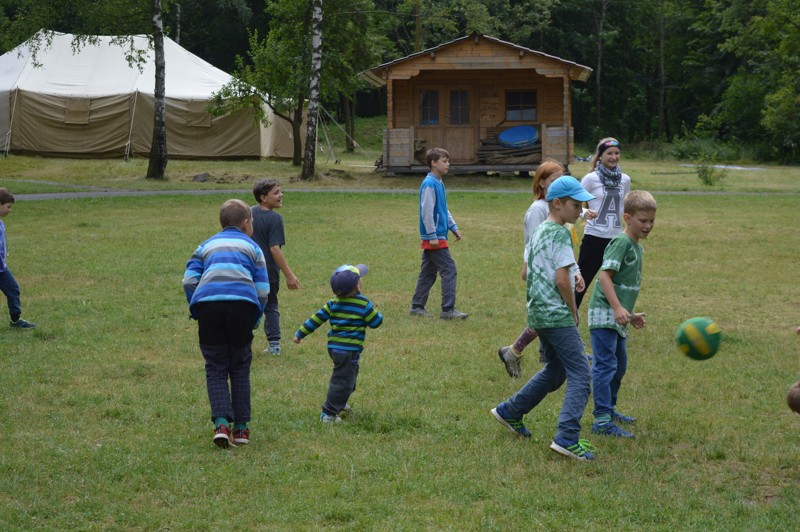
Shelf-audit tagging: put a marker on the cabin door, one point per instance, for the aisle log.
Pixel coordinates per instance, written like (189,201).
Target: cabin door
(446,117)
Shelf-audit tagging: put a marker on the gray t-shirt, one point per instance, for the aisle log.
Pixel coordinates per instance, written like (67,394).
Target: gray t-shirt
(268,232)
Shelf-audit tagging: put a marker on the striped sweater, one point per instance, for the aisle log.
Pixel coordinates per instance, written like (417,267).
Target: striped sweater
(349,317)
(229,266)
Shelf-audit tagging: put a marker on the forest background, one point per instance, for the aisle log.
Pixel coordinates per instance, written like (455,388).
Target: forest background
(713,79)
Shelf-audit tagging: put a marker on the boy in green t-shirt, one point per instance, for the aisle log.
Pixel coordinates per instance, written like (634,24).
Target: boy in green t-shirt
(611,311)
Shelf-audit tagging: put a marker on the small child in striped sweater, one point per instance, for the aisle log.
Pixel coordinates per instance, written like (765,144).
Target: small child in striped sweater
(350,313)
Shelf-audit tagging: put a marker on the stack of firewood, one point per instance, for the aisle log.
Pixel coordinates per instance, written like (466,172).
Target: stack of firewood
(491,152)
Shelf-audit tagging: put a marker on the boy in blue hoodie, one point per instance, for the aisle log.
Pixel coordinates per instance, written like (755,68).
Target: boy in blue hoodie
(227,285)
(435,223)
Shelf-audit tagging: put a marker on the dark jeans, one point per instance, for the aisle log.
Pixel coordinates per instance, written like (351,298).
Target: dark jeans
(590,258)
(10,287)
(343,380)
(272,316)
(436,261)
(226,333)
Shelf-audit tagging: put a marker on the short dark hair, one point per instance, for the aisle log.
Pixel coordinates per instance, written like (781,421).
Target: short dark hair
(434,154)
(263,186)
(6,196)
(234,213)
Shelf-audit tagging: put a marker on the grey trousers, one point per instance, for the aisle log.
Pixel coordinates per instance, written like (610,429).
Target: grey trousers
(343,380)
(436,261)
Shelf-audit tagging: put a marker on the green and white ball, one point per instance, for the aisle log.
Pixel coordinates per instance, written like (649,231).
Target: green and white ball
(699,338)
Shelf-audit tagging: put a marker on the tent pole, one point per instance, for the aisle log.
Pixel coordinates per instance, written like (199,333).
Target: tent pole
(130,130)
(11,124)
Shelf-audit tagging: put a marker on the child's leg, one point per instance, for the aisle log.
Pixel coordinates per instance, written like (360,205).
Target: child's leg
(527,336)
(604,368)
(10,287)
(622,367)
(590,258)
(241,358)
(448,273)
(548,379)
(343,380)
(566,342)
(427,276)
(217,359)
(272,316)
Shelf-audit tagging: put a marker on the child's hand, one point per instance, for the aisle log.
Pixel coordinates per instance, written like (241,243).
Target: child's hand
(580,284)
(638,320)
(296,340)
(458,234)
(293,283)
(622,316)
(434,243)
(589,214)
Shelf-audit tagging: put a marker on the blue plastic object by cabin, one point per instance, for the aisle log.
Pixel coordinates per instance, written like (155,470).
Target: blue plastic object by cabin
(518,137)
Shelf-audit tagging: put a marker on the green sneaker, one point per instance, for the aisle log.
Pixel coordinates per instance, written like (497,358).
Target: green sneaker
(582,450)
(514,425)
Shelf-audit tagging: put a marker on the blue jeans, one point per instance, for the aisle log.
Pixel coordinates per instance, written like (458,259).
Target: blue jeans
(610,364)
(562,349)
(10,287)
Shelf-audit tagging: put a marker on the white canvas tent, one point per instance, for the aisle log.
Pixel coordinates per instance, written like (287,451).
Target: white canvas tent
(94,104)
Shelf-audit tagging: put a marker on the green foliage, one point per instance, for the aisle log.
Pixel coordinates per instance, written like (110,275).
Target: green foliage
(107,417)
(710,172)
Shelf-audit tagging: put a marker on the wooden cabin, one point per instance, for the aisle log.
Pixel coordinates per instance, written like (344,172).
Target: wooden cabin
(462,94)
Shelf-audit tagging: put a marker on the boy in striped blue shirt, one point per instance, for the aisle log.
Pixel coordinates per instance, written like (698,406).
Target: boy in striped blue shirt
(226,285)
(350,313)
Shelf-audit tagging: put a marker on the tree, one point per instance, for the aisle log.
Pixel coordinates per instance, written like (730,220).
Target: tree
(277,69)
(313,91)
(158,146)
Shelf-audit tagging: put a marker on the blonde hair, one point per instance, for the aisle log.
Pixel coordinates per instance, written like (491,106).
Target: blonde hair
(234,213)
(598,151)
(639,200)
(545,170)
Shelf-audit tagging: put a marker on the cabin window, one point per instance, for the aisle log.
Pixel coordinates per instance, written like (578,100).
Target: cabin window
(429,108)
(459,108)
(521,106)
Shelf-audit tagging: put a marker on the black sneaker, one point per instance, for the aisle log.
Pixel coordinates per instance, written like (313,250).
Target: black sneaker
(22,324)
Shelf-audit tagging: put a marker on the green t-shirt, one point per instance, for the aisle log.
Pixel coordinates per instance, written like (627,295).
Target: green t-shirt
(550,250)
(624,256)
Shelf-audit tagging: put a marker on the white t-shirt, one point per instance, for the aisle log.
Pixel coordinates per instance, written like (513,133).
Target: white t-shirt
(537,213)
(608,202)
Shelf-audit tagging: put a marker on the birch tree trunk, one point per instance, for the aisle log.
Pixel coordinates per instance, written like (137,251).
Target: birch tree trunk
(158,147)
(313,92)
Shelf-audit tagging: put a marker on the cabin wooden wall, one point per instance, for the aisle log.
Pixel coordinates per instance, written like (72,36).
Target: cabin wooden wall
(487,70)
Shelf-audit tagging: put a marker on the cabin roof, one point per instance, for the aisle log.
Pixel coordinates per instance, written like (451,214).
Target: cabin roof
(377,76)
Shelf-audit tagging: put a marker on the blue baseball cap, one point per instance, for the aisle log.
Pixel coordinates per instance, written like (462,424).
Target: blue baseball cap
(345,278)
(567,186)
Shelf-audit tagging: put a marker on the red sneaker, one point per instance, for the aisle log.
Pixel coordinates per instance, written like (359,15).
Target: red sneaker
(223,437)
(241,436)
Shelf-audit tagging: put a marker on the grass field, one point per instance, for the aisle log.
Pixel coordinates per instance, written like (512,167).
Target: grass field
(106,416)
